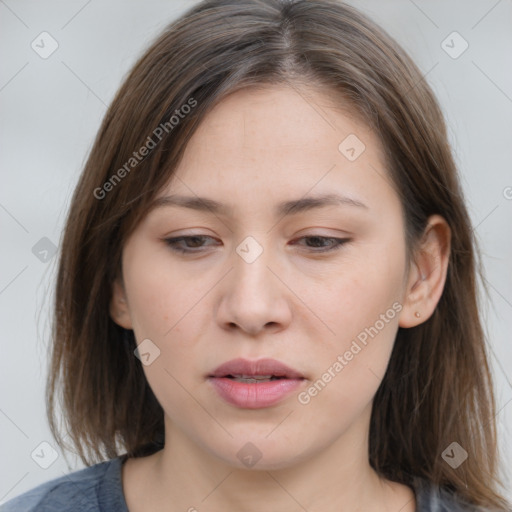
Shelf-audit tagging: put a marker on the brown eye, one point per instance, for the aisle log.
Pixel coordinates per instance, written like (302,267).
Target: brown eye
(191,243)
(194,244)
(325,244)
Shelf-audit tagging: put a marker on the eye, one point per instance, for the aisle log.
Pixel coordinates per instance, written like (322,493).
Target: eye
(195,240)
(193,244)
(321,243)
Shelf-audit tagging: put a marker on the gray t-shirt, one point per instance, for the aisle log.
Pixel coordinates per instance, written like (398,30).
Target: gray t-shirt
(98,488)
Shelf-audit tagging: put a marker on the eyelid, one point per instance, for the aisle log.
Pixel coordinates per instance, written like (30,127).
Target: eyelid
(338,243)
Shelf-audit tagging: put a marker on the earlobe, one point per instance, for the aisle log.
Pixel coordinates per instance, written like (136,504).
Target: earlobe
(427,274)
(119,311)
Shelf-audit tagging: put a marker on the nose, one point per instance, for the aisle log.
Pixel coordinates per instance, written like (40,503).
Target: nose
(253,297)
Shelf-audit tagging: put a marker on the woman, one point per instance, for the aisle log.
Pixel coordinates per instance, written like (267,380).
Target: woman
(267,288)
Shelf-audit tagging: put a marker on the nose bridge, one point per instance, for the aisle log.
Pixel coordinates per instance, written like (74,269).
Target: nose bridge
(251,262)
(251,299)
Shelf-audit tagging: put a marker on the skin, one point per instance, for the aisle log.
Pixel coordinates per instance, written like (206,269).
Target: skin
(256,148)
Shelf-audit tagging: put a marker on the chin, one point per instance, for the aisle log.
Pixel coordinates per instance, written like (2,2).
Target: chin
(255,453)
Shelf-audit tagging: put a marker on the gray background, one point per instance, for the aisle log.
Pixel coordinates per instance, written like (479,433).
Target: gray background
(51,109)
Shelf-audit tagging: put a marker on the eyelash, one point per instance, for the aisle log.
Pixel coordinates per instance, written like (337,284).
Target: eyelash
(172,243)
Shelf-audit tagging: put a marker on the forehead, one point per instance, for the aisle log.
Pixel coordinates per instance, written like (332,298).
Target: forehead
(278,117)
(278,141)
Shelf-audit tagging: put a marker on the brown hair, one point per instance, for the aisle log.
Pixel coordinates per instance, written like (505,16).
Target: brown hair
(437,388)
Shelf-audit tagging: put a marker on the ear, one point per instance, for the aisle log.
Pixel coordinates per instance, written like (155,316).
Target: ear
(427,274)
(119,311)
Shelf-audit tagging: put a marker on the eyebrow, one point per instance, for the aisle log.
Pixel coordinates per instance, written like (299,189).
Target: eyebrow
(285,208)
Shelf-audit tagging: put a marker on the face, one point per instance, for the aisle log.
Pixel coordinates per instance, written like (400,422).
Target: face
(317,288)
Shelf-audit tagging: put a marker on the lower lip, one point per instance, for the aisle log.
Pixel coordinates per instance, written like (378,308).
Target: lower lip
(254,395)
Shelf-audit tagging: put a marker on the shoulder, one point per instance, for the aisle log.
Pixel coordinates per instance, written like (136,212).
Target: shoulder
(92,489)
(433,498)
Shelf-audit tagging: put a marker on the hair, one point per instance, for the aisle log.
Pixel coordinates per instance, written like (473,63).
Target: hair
(437,388)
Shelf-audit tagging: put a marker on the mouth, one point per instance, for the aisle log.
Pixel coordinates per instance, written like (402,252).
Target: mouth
(254,384)
(260,369)
(253,379)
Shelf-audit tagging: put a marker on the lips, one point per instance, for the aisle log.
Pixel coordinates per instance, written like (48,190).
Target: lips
(254,384)
(258,368)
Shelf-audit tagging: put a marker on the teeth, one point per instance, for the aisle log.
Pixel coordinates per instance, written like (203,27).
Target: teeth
(257,377)
(251,379)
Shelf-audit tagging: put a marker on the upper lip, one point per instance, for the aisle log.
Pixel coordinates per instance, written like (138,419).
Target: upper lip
(259,367)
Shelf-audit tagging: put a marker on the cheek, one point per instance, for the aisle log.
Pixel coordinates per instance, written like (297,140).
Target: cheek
(352,296)
(167,307)
(152,306)
(361,309)
(350,365)
(159,296)
(162,310)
